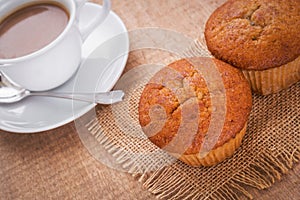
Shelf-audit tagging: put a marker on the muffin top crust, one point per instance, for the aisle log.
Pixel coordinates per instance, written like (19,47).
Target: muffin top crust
(179,91)
(255,34)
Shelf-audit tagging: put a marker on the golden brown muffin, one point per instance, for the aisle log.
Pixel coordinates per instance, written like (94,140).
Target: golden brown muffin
(178,106)
(261,37)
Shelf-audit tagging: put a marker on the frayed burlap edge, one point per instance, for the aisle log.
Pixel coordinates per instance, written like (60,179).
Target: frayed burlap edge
(167,183)
(260,174)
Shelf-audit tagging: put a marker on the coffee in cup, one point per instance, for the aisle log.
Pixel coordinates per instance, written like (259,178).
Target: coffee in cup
(31,28)
(41,40)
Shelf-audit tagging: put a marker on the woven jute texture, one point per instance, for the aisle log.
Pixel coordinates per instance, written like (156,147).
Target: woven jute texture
(269,149)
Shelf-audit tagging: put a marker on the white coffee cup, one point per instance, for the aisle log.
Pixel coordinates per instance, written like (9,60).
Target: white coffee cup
(54,64)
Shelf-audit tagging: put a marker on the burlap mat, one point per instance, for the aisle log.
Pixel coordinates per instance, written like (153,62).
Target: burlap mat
(269,149)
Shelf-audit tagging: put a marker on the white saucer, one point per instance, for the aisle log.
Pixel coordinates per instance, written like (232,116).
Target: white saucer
(35,114)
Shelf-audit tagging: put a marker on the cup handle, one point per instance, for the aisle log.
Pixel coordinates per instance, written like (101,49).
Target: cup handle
(87,29)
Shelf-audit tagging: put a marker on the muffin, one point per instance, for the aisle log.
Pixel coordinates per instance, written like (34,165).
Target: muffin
(196,109)
(262,38)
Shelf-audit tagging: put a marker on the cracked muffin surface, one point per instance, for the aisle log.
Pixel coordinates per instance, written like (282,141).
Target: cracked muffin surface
(181,89)
(255,34)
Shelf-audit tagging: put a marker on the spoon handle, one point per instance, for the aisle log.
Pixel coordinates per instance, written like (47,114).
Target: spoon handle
(100,97)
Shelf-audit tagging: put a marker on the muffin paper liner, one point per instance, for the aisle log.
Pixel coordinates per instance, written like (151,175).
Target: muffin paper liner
(217,155)
(275,79)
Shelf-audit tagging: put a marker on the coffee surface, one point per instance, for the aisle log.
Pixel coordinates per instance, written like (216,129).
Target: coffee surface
(30,29)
